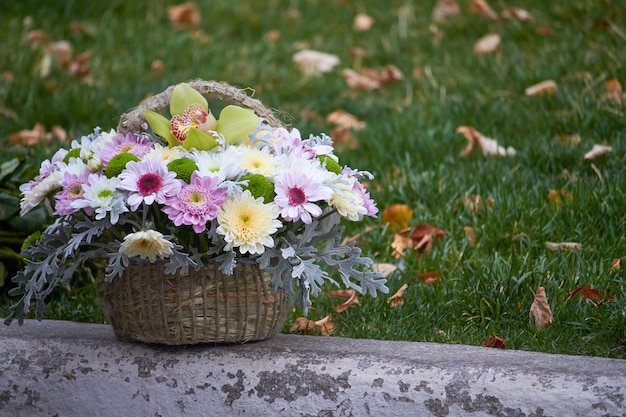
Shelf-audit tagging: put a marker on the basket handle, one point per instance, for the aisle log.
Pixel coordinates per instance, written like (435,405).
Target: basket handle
(133,119)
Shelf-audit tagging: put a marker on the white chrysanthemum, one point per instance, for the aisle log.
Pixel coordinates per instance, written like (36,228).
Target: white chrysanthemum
(247,223)
(166,153)
(347,201)
(259,161)
(102,196)
(224,164)
(35,195)
(147,244)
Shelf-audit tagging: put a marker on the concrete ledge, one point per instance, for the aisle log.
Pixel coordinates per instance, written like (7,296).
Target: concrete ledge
(64,369)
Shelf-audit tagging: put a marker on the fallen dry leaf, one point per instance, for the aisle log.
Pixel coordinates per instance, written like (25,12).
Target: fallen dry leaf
(445,9)
(616,265)
(348,296)
(343,138)
(488,146)
(482,8)
(62,51)
(614,92)
(362,22)
(598,150)
(564,246)
(495,341)
(397,216)
(572,140)
(360,81)
(423,236)
(488,43)
(396,299)
(475,204)
(430,278)
(37,38)
(558,197)
(184,16)
(384,268)
(313,62)
(516,13)
(78,67)
(158,68)
(594,296)
(542,88)
(471,236)
(272,36)
(399,244)
(543,31)
(344,119)
(323,326)
(540,313)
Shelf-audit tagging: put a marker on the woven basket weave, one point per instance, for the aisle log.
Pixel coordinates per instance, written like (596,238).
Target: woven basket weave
(205,306)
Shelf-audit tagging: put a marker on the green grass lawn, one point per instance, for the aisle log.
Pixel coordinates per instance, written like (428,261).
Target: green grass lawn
(409,143)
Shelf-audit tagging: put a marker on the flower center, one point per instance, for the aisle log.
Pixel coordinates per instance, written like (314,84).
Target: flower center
(149,183)
(296,196)
(105,194)
(75,191)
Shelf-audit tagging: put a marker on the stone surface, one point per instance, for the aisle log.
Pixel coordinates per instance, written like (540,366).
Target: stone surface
(63,369)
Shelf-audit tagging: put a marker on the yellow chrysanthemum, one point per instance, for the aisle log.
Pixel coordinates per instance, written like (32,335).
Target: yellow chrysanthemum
(347,201)
(247,223)
(147,244)
(259,161)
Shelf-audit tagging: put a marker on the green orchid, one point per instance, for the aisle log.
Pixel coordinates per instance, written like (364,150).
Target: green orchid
(193,126)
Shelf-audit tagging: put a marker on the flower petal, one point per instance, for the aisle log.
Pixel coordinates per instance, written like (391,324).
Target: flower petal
(200,140)
(161,126)
(184,96)
(236,123)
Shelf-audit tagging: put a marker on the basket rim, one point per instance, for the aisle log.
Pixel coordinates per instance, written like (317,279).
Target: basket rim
(132,120)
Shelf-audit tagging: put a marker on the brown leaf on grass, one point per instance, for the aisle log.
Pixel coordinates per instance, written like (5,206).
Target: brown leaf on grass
(313,62)
(488,43)
(83,29)
(543,31)
(593,295)
(445,9)
(359,81)
(184,16)
(272,36)
(573,139)
(540,313)
(558,197)
(475,204)
(349,298)
(37,134)
(396,299)
(488,146)
(423,236)
(616,265)
(362,22)
(59,133)
(495,341)
(564,246)
(78,67)
(482,8)
(62,51)
(471,236)
(399,244)
(344,119)
(323,326)
(37,38)
(384,268)
(397,216)
(158,68)
(614,92)
(516,13)
(430,278)
(598,150)
(542,88)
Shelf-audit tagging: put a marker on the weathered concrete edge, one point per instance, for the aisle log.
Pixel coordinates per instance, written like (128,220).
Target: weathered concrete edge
(60,368)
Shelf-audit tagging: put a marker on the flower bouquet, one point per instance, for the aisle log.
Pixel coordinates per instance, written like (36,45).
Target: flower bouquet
(206,226)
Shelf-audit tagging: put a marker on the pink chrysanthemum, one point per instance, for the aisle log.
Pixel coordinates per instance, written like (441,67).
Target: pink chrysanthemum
(136,145)
(197,203)
(72,190)
(148,181)
(295,194)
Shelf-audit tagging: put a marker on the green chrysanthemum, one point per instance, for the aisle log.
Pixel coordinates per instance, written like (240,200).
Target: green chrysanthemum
(260,186)
(31,240)
(330,163)
(117,164)
(183,168)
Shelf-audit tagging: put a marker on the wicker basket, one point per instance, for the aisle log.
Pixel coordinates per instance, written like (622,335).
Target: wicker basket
(204,306)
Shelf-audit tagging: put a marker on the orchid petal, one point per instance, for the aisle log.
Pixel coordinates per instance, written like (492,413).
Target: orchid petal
(236,123)
(184,96)
(199,140)
(161,126)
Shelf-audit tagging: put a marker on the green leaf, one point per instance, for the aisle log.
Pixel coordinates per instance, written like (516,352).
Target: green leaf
(8,167)
(236,123)
(200,140)
(161,126)
(9,206)
(183,96)
(30,222)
